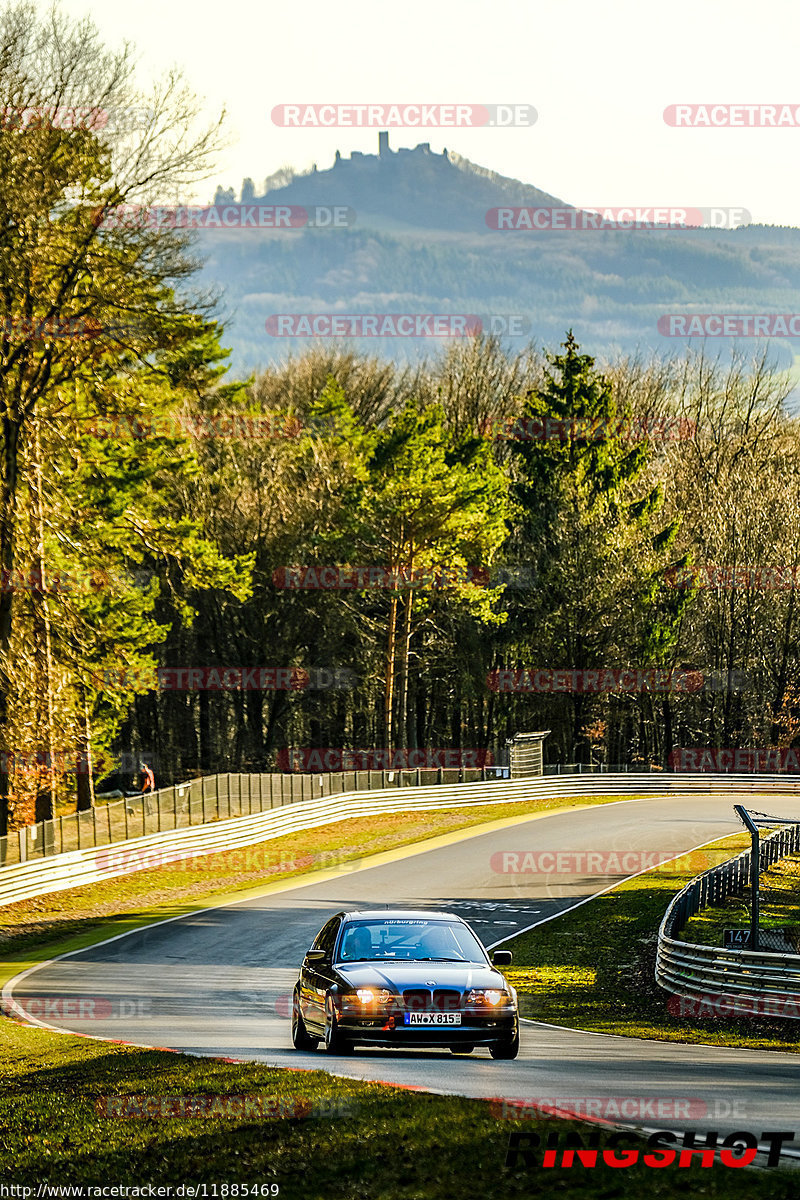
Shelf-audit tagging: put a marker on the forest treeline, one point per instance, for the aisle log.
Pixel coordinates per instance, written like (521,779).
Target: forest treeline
(342,553)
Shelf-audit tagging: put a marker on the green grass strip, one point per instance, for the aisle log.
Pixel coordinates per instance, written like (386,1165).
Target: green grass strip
(323,1137)
(594,968)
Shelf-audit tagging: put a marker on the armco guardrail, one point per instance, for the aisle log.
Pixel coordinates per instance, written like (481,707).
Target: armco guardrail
(211,798)
(701,972)
(80,867)
(72,869)
(215,797)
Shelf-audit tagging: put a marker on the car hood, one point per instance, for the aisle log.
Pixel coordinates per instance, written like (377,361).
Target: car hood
(396,976)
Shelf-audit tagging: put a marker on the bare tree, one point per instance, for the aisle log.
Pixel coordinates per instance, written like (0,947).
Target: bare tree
(73,275)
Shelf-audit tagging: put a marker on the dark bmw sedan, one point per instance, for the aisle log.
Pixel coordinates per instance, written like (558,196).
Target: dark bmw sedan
(399,978)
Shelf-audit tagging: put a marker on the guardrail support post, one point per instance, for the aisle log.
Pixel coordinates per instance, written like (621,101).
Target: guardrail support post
(755,863)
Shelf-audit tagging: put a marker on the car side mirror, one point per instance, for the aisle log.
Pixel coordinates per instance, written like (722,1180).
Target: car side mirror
(502,958)
(313,956)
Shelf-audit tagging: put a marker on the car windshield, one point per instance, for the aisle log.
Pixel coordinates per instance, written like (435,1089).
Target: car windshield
(411,938)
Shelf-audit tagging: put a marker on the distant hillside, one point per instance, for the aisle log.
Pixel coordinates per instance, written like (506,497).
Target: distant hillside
(420,244)
(413,188)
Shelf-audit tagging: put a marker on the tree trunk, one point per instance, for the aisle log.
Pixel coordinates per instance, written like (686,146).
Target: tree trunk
(388,694)
(41,610)
(11,431)
(402,731)
(666,710)
(204,723)
(85,763)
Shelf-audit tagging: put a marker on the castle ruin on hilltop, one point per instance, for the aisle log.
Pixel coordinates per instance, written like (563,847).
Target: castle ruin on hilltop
(357,158)
(383,152)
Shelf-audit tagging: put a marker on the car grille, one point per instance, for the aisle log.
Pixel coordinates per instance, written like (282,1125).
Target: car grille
(440,1000)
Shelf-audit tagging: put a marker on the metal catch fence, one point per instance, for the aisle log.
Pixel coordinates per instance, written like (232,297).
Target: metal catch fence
(211,798)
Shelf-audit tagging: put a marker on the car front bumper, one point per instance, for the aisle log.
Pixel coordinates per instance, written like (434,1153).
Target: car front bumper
(382,1031)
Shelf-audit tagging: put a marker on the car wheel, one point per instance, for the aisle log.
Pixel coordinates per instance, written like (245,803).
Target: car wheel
(301,1038)
(461,1049)
(334,1042)
(506,1049)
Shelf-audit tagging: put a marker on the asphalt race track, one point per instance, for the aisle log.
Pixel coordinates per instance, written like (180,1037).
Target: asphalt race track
(219,981)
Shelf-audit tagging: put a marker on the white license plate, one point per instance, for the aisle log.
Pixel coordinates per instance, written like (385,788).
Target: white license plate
(426,1018)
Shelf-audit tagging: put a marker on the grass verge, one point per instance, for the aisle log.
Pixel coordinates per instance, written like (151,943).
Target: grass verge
(779,906)
(593,968)
(336,1137)
(351,1140)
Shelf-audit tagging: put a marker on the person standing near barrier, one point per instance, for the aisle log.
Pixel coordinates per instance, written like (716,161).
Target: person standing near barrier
(148,785)
(149,780)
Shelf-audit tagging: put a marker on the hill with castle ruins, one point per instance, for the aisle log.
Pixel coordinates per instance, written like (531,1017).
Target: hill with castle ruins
(406,231)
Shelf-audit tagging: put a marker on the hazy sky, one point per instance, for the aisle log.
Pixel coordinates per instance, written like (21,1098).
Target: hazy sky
(599,75)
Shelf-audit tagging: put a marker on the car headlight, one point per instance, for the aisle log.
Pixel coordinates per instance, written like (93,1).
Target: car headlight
(491,996)
(368,997)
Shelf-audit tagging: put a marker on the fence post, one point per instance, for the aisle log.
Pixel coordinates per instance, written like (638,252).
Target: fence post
(755,864)
(110,833)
